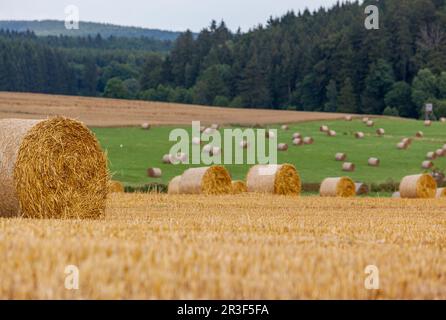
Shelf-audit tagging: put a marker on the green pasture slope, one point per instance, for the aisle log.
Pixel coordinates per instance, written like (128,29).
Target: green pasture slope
(132,150)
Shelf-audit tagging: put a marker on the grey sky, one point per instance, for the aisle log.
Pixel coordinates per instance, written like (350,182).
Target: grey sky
(163,14)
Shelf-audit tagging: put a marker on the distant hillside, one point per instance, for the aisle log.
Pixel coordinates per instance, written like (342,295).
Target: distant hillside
(56,28)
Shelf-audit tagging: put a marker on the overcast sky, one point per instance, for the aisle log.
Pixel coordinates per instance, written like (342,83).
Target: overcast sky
(176,15)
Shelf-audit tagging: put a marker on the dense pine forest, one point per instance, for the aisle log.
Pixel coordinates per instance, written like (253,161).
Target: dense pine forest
(316,61)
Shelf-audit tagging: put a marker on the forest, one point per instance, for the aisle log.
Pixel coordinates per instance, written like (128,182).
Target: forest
(324,60)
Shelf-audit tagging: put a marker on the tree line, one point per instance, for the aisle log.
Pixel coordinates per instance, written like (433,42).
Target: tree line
(324,60)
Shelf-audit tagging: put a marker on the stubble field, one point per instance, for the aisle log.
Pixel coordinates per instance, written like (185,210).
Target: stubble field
(231,247)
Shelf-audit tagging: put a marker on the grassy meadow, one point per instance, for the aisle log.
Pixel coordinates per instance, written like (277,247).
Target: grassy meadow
(132,150)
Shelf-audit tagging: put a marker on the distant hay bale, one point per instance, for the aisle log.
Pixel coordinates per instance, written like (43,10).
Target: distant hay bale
(51,168)
(427,164)
(374,162)
(361,189)
(174,185)
(380,132)
(324,128)
(239,187)
(348,118)
(419,134)
(370,123)
(418,186)
(365,119)
(402,146)
(359,135)
(115,187)
(331,133)
(297,135)
(427,123)
(167,159)
(440,152)
(276,179)
(340,156)
(285,127)
(282,147)
(441,193)
(298,142)
(407,141)
(338,187)
(431,155)
(396,195)
(154,173)
(348,167)
(145,126)
(443,119)
(213,180)
(308,140)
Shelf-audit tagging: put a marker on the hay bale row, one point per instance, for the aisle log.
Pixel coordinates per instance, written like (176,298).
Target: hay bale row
(338,187)
(174,185)
(276,179)
(51,168)
(213,180)
(418,186)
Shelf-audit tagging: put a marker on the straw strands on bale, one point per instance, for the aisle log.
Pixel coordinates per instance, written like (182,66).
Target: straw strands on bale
(431,155)
(154,173)
(213,180)
(239,187)
(427,164)
(361,189)
(51,168)
(374,162)
(174,185)
(380,132)
(419,134)
(359,135)
(340,156)
(298,142)
(338,187)
(145,126)
(285,127)
(418,186)
(427,123)
(331,133)
(441,193)
(348,167)
(308,140)
(277,179)
(115,187)
(282,147)
(324,129)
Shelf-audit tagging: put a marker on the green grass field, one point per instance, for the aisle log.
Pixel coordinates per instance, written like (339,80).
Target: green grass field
(132,150)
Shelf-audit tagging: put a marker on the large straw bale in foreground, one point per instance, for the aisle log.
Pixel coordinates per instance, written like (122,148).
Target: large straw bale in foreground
(239,187)
(418,186)
(207,180)
(277,179)
(338,187)
(51,168)
(174,185)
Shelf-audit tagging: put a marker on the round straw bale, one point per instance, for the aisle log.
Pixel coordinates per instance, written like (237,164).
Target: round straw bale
(374,162)
(239,187)
(270,134)
(282,147)
(51,168)
(348,118)
(324,128)
(441,193)
(348,167)
(380,132)
(206,180)
(115,187)
(340,156)
(427,164)
(365,119)
(431,155)
(359,135)
(402,146)
(427,123)
(308,140)
(298,142)
(297,135)
(370,123)
(396,195)
(331,133)
(338,187)
(407,141)
(361,189)
(154,172)
(174,185)
(145,126)
(419,134)
(196,141)
(440,152)
(167,159)
(418,186)
(285,127)
(277,179)
(443,119)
